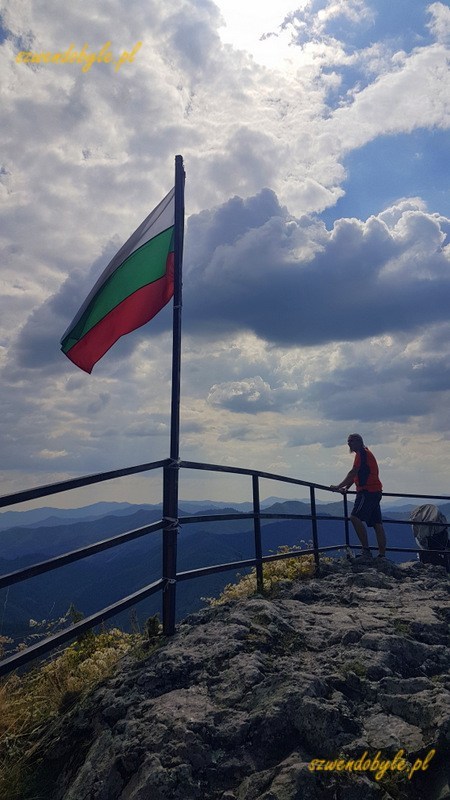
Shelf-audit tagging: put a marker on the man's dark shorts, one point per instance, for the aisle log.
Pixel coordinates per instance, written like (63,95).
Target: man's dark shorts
(367,508)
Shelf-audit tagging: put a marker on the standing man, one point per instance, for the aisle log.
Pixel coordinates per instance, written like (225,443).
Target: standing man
(364,474)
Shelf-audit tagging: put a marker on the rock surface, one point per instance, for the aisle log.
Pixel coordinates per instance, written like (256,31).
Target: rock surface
(237,705)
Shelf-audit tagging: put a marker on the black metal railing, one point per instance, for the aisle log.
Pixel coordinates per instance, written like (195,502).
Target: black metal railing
(170,524)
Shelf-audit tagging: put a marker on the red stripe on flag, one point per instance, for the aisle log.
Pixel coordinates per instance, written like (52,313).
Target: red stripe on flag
(133,312)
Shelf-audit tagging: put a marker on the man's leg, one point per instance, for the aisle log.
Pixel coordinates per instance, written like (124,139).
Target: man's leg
(361,532)
(381,538)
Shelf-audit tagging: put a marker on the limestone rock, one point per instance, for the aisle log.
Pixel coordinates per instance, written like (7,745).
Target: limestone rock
(238,704)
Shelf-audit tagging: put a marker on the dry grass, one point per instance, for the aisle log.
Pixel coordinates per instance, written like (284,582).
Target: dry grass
(286,569)
(29,702)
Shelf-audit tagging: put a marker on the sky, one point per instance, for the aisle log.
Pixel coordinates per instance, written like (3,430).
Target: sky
(315,138)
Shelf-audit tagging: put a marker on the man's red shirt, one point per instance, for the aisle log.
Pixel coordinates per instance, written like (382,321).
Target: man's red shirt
(366,478)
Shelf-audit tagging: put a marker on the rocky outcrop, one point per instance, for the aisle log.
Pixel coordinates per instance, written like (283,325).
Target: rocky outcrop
(248,697)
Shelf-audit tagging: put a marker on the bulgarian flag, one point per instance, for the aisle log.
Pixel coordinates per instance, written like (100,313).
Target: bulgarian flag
(136,284)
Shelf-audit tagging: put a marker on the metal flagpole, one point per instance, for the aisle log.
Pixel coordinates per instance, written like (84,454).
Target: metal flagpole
(177,303)
(170,491)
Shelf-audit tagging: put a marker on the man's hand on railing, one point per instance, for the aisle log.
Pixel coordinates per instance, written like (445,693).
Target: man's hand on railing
(341,489)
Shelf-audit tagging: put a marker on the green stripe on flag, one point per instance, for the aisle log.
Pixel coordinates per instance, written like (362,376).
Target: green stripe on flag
(144,266)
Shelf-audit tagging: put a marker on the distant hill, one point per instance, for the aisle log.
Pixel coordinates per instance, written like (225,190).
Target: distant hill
(53,516)
(49,516)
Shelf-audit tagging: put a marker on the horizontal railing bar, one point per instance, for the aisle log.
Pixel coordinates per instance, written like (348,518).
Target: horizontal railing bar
(415,496)
(40,648)
(355,546)
(242,471)
(75,555)
(263,515)
(198,573)
(76,483)
(249,515)
(412,522)
(216,517)
(307,552)
(400,549)
(297,481)
(399,494)
(409,550)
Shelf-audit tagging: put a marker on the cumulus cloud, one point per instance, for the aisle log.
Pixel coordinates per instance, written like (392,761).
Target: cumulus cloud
(251,395)
(312,20)
(439,23)
(293,282)
(413,92)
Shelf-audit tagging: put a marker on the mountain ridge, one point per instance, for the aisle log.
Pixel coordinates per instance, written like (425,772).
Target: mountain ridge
(50,515)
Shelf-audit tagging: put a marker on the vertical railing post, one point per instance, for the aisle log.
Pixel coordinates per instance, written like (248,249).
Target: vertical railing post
(347,530)
(257,530)
(312,496)
(170,533)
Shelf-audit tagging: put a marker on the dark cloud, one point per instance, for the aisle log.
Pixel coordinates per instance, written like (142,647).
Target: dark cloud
(430,376)
(226,224)
(366,402)
(292,282)
(372,389)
